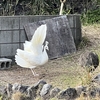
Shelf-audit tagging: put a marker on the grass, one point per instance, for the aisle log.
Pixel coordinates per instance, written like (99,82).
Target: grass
(73,75)
(84,42)
(0,97)
(63,72)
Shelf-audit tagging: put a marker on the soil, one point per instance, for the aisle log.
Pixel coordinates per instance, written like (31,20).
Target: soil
(60,72)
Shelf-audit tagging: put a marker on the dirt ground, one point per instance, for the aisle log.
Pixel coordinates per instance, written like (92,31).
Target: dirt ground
(61,72)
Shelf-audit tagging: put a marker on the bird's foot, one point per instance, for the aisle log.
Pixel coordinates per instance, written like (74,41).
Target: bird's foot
(34,73)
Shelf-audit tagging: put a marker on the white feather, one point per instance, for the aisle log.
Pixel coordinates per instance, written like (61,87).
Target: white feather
(21,62)
(36,43)
(34,53)
(41,34)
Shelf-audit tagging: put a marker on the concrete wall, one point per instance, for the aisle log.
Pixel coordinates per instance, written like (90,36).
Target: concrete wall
(12,33)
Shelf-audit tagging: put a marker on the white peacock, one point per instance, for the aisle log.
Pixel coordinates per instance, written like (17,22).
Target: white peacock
(34,53)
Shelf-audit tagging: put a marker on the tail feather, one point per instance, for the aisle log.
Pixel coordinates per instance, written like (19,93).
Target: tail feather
(28,57)
(20,53)
(21,62)
(39,35)
(27,46)
(38,39)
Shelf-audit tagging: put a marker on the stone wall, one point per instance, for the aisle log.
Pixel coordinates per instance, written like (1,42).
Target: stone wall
(44,91)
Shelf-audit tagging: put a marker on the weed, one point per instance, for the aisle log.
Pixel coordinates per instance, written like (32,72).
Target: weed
(84,42)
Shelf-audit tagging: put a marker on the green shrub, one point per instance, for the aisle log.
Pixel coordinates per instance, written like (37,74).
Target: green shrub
(91,17)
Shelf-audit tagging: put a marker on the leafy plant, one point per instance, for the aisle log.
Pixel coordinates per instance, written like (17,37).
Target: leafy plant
(91,17)
(84,42)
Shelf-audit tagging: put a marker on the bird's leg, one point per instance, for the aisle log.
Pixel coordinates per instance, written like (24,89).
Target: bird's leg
(34,73)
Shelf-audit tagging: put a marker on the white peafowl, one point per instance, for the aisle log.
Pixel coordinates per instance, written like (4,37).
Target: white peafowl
(34,53)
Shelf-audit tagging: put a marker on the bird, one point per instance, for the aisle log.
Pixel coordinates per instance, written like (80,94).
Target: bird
(90,61)
(34,53)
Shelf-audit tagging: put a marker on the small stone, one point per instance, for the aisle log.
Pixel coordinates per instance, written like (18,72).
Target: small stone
(80,89)
(16,87)
(68,94)
(45,92)
(38,86)
(54,92)
(41,82)
(9,89)
(45,89)
(96,79)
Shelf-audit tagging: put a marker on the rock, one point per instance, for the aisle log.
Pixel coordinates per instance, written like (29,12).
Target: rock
(69,94)
(38,86)
(9,90)
(42,82)
(31,92)
(80,89)
(54,92)
(45,92)
(63,95)
(6,91)
(16,87)
(89,60)
(96,79)
(98,91)
(93,92)
(23,89)
(2,90)
(19,87)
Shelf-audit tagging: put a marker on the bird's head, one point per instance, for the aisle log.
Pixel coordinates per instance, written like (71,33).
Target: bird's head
(46,45)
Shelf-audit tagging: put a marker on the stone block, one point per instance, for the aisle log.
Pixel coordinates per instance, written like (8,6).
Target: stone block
(59,35)
(5,63)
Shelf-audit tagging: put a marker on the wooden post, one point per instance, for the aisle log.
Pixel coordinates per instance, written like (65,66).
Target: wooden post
(61,7)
